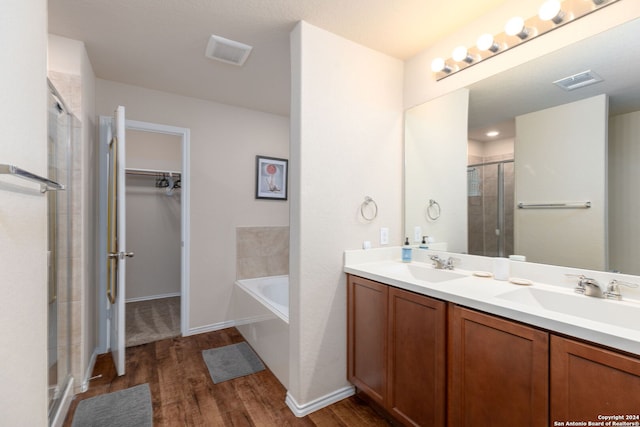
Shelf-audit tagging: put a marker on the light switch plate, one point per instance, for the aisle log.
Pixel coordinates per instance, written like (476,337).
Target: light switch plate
(417,234)
(384,236)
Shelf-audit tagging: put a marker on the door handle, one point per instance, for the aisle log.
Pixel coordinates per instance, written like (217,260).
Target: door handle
(120,255)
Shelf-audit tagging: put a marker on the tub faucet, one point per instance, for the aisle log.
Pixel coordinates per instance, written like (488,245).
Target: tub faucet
(441,263)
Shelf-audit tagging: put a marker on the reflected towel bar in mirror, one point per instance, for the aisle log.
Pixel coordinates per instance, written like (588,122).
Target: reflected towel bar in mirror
(567,205)
(45,183)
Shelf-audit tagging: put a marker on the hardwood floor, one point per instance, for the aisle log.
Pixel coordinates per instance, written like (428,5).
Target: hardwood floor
(183,393)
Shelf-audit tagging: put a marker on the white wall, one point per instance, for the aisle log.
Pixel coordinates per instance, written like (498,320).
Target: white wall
(435,169)
(500,147)
(561,156)
(624,203)
(23,214)
(346,144)
(224,143)
(153,217)
(153,150)
(420,86)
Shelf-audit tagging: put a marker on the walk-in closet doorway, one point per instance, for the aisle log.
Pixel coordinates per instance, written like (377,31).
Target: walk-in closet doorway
(157,232)
(153,177)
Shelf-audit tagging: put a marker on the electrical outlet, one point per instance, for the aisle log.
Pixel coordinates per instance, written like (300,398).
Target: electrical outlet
(417,234)
(384,236)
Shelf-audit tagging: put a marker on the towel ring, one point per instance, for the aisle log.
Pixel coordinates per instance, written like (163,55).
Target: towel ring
(368,200)
(433,210)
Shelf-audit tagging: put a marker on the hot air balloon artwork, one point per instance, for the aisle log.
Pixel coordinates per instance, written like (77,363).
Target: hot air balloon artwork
(271,178)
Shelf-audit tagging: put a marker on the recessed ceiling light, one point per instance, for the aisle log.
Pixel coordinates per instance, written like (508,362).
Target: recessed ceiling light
(492,133)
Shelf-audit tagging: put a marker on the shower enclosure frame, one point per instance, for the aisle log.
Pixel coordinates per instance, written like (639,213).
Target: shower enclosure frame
(500,225)
(59,243)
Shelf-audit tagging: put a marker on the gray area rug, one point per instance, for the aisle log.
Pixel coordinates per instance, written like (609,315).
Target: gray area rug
(231,361)
(152,320)
(130,407)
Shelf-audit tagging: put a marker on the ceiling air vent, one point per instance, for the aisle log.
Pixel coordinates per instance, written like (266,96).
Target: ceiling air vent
(226,50)
(579,80)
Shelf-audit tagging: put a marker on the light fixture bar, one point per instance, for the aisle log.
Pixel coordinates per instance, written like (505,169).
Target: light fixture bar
(551,15)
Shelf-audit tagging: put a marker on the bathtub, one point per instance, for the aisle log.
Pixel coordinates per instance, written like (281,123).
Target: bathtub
(261,312)
(272,292)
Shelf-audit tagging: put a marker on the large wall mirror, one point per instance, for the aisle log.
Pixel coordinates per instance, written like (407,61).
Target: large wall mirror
(569,158)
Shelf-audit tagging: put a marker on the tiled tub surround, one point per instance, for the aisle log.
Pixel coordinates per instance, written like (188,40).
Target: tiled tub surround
(486,294)
(262,252)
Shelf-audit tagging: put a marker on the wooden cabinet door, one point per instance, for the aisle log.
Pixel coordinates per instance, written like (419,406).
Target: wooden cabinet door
(588,382)
(367,337)
(417,361)
(499,372)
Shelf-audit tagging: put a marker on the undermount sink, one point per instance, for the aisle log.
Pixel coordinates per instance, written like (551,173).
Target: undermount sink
(429,274)
(596,309)
(424,273)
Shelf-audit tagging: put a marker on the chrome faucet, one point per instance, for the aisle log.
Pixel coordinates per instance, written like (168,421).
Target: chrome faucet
(613,288)
(589,287)
(441,263)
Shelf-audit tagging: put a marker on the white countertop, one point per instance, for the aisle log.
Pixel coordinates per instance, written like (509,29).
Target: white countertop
(487,295)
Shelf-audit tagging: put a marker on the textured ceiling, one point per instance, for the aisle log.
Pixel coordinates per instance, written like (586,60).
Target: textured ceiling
(160,44)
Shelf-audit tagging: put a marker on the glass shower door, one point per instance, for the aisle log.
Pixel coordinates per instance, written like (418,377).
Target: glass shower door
(490,208)
(59,253)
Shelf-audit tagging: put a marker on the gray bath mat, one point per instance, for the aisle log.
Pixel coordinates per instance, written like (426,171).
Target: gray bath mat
(130,407)
(231,361)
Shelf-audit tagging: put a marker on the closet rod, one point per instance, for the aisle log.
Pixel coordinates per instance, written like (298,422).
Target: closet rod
(45,183)
(151,172)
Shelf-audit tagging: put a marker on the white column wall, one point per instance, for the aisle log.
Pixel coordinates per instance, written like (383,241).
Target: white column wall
(624,203)
(436,169)
(346,144)
(23,214)
(561,156)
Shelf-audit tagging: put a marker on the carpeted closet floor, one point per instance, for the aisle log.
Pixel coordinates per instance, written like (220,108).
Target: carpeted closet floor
(152,320)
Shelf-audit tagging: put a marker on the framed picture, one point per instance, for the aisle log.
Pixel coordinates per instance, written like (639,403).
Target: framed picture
(271,178)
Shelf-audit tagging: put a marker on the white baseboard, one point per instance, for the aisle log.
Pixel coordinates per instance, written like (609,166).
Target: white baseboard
(254,319)
(319,403)
(87,374)
(63,409)
(229,324)
(150,297)
(211,328)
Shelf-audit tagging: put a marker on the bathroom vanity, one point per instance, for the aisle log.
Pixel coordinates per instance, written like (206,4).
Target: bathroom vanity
(456,352)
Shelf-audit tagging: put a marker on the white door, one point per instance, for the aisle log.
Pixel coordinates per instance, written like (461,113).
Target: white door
(116,244)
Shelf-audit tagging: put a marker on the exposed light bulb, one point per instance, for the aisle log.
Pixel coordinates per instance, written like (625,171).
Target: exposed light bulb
(486,42)
(515,27)
(461,54)
(551,11)
(438,65)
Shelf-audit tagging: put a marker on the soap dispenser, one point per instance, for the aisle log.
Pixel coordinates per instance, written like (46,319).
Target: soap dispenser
(424,244)
(406,251)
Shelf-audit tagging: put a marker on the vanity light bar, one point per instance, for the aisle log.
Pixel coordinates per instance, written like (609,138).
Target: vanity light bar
(552,14)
